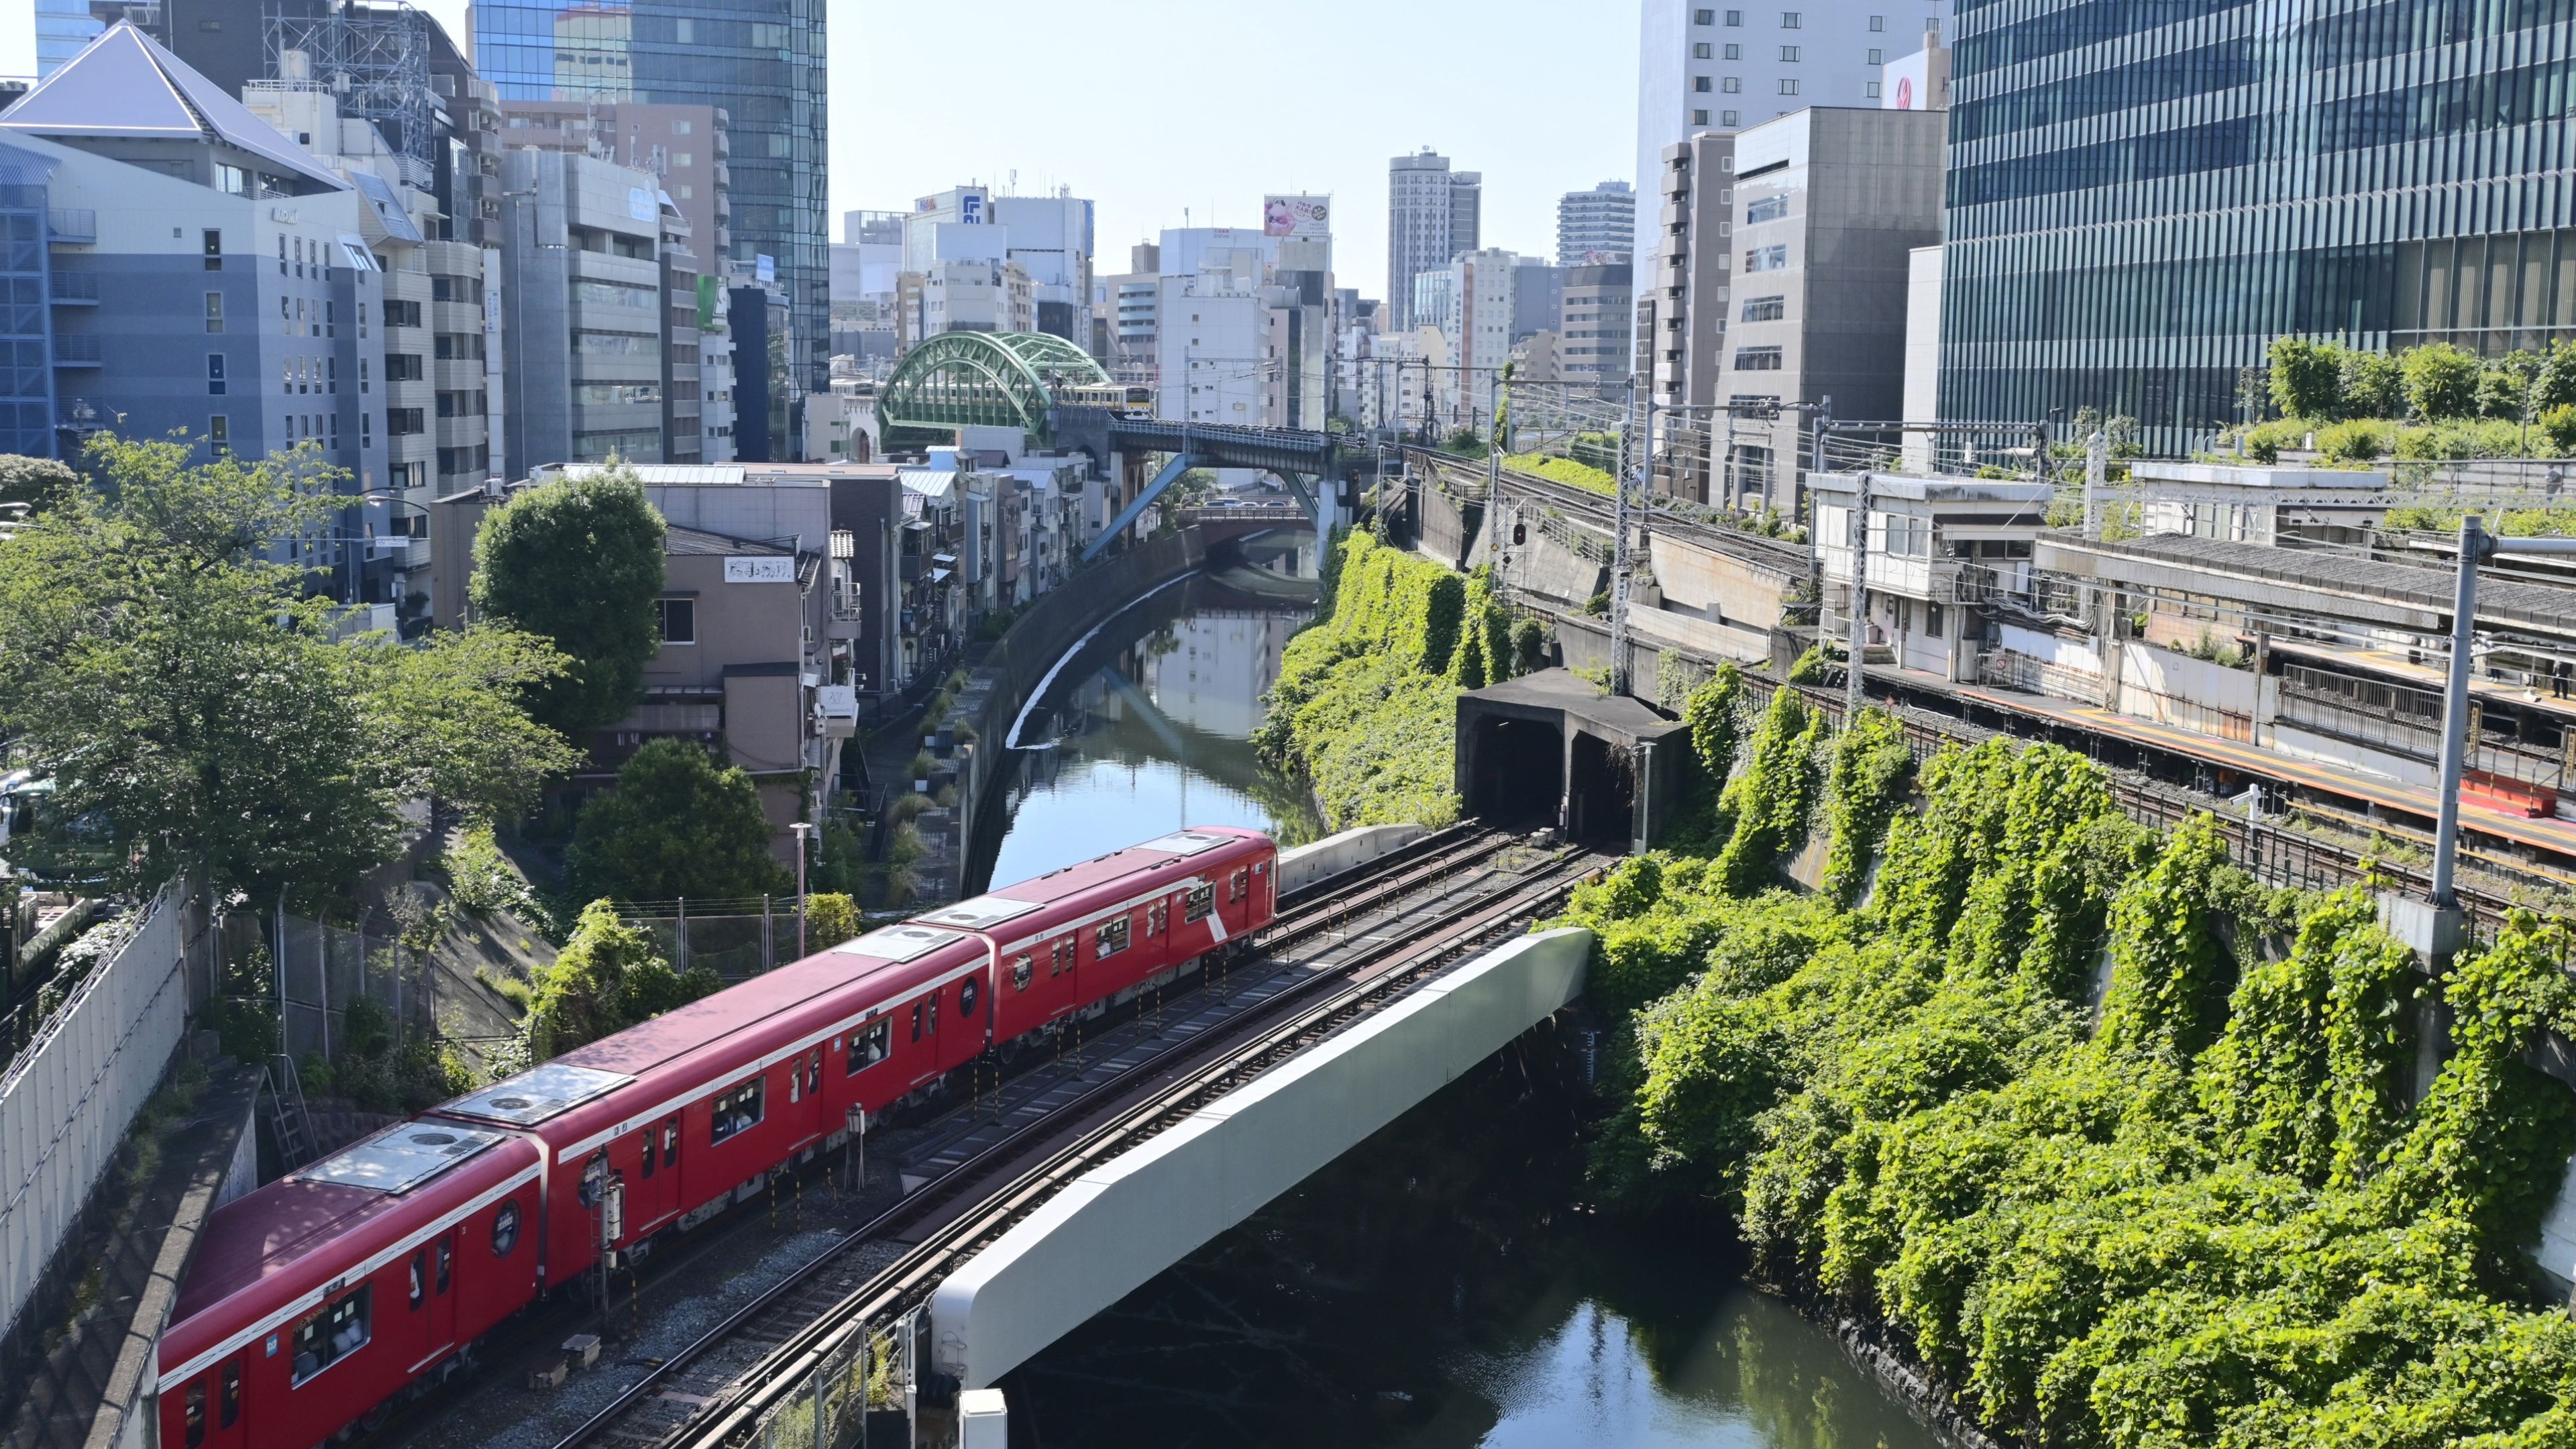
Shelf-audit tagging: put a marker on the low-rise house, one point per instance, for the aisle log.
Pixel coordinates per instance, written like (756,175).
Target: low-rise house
(1941,553)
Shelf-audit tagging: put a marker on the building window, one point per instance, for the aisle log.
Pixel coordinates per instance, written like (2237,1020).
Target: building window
(1767,259)
(1877,23)
(331,374)
(1878,57)
(1873,91)
(1735,17)
(1734,52)
(1788,20)
(219,434)
(367,428)
(331,1335)
(1788,87)
(738,1111)
(1768,208)
(1789,53)
(1699,83)
(1733,85)
(1699,118)
(679,619)
(214,311)
(1757,359)
(1765,309)
(1701,51)
(1932,621)
(281,256)
(1703,17)
(214,374)
(1732,118)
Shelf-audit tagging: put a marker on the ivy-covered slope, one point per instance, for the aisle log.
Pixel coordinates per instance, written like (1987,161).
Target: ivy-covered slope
(1366,703)
(2203,1214)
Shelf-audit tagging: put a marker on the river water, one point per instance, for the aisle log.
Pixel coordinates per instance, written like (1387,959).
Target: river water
(1445,1284)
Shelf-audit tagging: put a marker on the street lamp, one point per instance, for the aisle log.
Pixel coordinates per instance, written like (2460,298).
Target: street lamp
(803,830)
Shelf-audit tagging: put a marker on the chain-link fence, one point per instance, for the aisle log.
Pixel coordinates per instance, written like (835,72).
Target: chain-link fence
(736,939)
(319,974)
(832,1408)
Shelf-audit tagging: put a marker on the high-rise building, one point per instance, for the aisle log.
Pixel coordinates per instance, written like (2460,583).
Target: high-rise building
(2383,172)
(1828,204)
(1432,214)
(1705,67)
(584,310)
(688,147)
(1596,226)
(1592,329)
(759,61)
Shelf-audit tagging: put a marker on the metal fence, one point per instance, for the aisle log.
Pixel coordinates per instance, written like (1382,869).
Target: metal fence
(319,971)
(67,1099)
(735,939)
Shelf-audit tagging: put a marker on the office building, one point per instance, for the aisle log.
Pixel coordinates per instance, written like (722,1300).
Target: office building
(1433,214)
(2330,179)
(1704,67)
(1683,311)
(867,264)
(759,61)
(172,216)
(688,148)
(1592,326)
(1051,241)
(584,310)
(1595,226)
(1829,205)
(1538,294)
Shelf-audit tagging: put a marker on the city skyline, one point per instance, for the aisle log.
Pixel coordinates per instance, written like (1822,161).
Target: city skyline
(1502,107)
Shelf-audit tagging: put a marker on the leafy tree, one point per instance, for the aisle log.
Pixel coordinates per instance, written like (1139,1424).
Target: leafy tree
(676,826)
(32,480)
(607,978)
(830,919)
(577,563)
(2373,386)
(2506,385)
(181,687)
(449,711)
(2557,385)
(2305,377)
(2441,380)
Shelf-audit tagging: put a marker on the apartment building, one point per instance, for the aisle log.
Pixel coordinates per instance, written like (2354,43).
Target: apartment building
(584,309)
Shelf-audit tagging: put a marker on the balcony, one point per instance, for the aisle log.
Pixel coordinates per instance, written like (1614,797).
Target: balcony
(73,226)
(76,349)
(75,289)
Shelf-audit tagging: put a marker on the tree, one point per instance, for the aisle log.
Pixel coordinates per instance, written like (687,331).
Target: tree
(830,919)
(676,826)
(2373,387)
(2508,385)
(32,480)
(180,685)
(450,711)
(2305,377)
(2557,386)
(607,979)
(2441,380)
(578,563)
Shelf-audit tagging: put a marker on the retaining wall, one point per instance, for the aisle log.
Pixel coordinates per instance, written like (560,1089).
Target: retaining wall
(1306,864)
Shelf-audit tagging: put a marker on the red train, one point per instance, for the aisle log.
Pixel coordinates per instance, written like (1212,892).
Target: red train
(324,1298)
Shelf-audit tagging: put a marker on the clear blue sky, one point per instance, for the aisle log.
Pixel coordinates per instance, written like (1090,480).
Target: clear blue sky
(1152,106)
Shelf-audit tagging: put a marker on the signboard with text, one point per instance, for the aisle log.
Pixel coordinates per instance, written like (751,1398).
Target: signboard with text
(1297,216)
(771,570)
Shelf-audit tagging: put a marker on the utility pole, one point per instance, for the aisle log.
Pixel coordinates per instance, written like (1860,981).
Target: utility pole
(1855,671)
(2097,469)
(802,830)
(2476,547)
(1640,453)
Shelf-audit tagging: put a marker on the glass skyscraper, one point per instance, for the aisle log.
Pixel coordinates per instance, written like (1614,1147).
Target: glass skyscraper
(761,60)
(2144,193)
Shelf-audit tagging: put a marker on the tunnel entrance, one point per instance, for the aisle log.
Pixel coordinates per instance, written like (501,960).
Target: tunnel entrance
(1601,805)
(1520,773)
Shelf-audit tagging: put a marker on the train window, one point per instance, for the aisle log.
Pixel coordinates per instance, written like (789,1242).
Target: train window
(795,1083)
(505,1229)
(229,1400)
(966,991)
(1157,917)
(871,1044)
(1063,961)
(671,1143)
(446,1253)
(648,1152)
(1199,904)
(814,1072)
(1111,937)
(1242,886)
(1021,970)
(739,1110)
(916,1021)
(196,1414)
(331,1335)
(934,1013)
(419,1278)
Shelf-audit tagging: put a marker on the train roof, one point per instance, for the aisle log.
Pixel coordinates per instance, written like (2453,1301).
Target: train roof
(358,1199)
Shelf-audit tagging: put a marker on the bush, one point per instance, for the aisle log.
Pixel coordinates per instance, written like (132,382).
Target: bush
(2357,441)
(830,919)
(1564,470)
(2441,380)
(2307,377)
(2373,386)
(480,877)
(2558,425)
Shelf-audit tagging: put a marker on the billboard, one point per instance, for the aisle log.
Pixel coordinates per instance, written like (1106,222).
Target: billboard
(1919,82)
(1297,216)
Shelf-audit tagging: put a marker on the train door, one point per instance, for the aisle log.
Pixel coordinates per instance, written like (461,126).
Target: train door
(212,1414)
(656,1194)
(442,1292)
(805,1107)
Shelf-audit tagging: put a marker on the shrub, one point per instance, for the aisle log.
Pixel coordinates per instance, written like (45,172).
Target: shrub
(2441,380)
(2357,441)
(2306,377)
(830,919)
(2558,425)
(2373,386)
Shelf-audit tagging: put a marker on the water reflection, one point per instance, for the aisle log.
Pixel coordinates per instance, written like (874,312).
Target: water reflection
(1150,728)
(1442,1287)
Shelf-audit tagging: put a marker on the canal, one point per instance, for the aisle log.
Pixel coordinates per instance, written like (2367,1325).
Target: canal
(1442,1286)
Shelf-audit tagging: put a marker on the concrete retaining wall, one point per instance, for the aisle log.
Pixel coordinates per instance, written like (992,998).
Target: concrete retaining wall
(1329,857)
(1122,1223)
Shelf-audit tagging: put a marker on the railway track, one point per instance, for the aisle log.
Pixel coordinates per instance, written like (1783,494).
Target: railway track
(1599,511)
(767,1351)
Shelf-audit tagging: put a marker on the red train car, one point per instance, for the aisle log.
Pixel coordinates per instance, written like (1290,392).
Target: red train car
(320,1299)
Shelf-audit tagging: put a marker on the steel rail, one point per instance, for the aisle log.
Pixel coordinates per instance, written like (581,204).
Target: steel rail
(1313,915)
